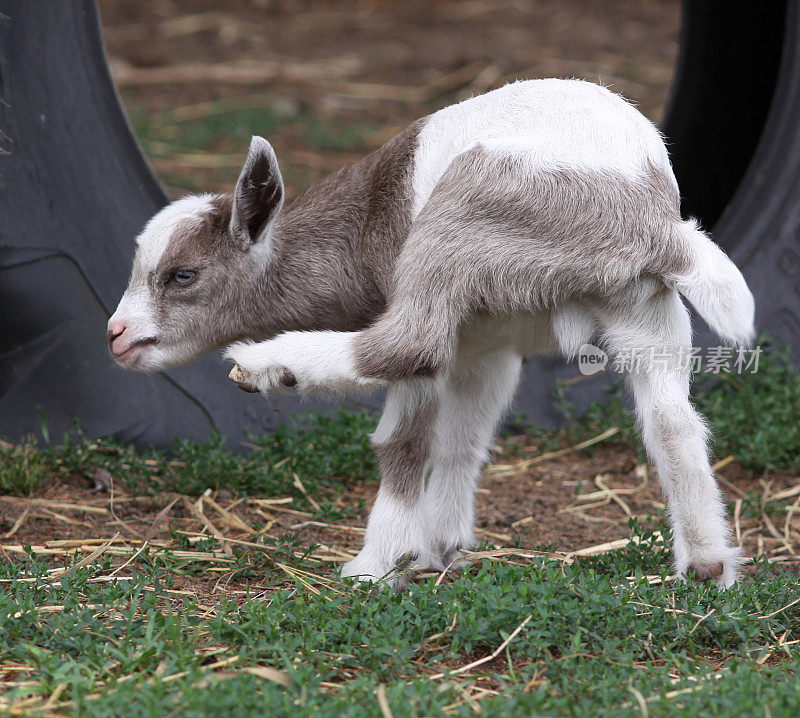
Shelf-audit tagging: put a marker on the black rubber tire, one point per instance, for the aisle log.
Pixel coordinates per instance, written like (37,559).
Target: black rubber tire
(76,190)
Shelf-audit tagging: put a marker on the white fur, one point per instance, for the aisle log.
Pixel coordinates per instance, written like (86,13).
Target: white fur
(573,327)
(318,360)
(394,530)
(135,309)
(550,123)
(472,401)
(675,438)
(156,235)
(674,435)
(717,289)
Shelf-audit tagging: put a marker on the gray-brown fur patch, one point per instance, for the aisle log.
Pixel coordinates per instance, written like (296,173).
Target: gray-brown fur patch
(499,236)
(211,311)
(336,244)
(399,346)
(403,457)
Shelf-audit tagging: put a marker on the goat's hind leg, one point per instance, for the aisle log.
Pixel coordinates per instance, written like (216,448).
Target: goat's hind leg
(676,440)
(674,436)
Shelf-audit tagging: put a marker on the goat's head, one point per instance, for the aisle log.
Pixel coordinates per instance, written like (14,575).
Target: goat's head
(194,262)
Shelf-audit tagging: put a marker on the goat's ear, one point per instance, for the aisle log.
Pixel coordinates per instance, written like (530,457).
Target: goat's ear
(258,196)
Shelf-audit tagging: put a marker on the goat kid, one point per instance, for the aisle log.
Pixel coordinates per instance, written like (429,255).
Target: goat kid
(526,221)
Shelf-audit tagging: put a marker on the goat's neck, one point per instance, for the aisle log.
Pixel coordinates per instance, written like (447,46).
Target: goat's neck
(315,274)
(331,258)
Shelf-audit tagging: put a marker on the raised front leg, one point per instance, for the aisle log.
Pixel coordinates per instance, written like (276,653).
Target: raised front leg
(396,541)
(305,361)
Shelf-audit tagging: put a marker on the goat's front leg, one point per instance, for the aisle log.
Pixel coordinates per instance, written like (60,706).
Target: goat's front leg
(305,361)
(472,401)
(396,541)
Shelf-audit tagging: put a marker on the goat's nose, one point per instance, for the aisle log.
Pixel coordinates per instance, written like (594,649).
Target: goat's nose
(116,328)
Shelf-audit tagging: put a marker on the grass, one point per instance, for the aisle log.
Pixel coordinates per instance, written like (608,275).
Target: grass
(589,638)
(324,451)
(198,623)
(328,450)
(755,417)
(22,468)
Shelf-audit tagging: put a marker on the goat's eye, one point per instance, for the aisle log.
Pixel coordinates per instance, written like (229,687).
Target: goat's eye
(184,276)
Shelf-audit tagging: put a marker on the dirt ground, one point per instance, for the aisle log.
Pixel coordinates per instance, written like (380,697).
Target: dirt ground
(379,63)
(574,503)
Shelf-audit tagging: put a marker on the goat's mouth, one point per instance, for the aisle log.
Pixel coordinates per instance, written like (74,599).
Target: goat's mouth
(130,354)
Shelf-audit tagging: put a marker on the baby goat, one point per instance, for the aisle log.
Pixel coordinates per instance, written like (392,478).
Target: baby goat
(527,221)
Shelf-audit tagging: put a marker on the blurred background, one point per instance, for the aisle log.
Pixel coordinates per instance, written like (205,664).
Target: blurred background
(328,80)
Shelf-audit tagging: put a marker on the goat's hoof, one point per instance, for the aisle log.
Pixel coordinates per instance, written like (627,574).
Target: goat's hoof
(722,567)
(394,576)
(366,574)
(288,379)
(704,574)
(243,379)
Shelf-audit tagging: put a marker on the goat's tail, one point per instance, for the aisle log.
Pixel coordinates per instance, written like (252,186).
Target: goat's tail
(715,287)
